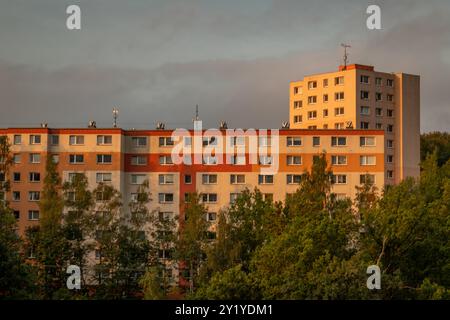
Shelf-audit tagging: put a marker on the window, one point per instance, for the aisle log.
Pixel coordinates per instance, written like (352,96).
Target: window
(211,216)
(187,141)
(325,83)
(338,141)
(2,196)
(298,104)
(72,175)
(364,125)
(339,179)
(378,96)
(34,195)
(2,177)
(298,90)
(364,79)
(17,139)
(293,141)
(293,160)
(16,195)
(378,112)
(104,177)
(390,128)
(104,140)
(338,160)
(390,174)
(338,96)
(339,111)
(35,158)
(54,139)
(139,142)
(312,99)
(367,178)
(76,140)
(237,178)
(390,113)
(209,141)
(104,158)
(165,141)
(165,215)
(390,143)
(138,160)
(76,158)
(55,158)
(389,158)
(16,176)
(209,178)
(209,160)
(102,196)
(339,125)
(138,178)
(165,160)
(265,179)
(33,215)
(267,197)
(325,113)
(17,158)
(35,139)
(312,85)
(312,127)
(365,111)
(325,98)
(366,141)
(187,179)
(165,197)
(367,160)
(364,95)
(265,160)
(316,141)
(237,160)
(35,177)
(312,114)
(233,197)
(390,97)
(209,197)
(378,125)
(378,81)
(166,179)
(338,81)
(17,214)
(264,141)
(293,178)
(389,82)
(298,119)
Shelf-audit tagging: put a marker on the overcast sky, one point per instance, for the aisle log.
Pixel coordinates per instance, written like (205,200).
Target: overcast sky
(155,60)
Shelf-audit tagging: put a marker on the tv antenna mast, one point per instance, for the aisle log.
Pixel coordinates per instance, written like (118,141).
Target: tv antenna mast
(196,114)
(345,46)
(115,113)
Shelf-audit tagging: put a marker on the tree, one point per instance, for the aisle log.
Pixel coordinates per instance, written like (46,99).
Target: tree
(192,239)
(435,141)
(78,223)
(16,277)
(48,238)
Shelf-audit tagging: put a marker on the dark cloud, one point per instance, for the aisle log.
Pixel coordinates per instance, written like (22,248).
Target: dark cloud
(235,61)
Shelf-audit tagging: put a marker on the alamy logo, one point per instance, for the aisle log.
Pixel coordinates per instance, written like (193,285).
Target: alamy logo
(374,20)
(73,21)
(229,146)
(374,280)
(74,280)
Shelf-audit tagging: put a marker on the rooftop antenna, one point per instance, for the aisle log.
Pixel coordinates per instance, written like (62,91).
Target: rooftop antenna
(345,46)
(196,114)
(115,113)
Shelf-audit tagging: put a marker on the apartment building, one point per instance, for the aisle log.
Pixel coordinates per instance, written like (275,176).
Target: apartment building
(358,97)
(126,158)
